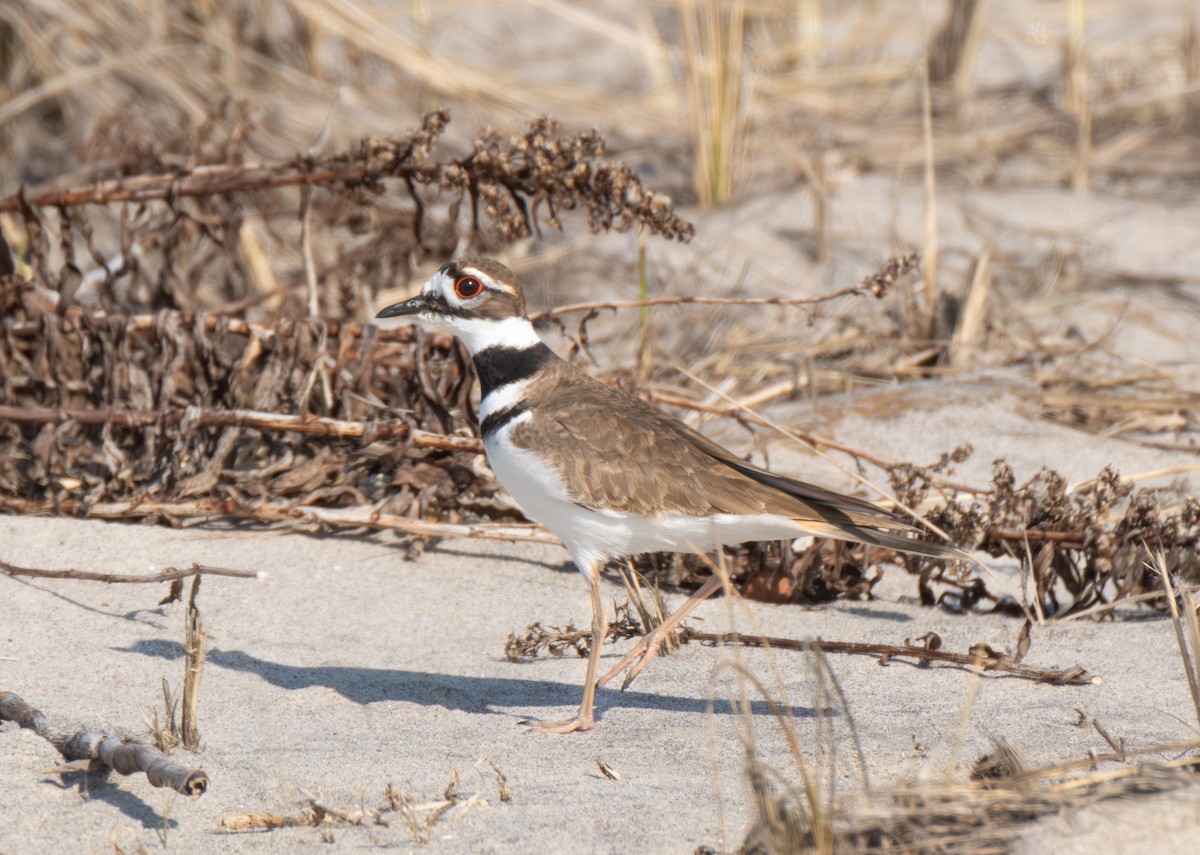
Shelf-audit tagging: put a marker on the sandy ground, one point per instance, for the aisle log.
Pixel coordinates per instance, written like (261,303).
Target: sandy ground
(350,667)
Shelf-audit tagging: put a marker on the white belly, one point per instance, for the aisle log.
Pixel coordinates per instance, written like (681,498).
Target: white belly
(599,535)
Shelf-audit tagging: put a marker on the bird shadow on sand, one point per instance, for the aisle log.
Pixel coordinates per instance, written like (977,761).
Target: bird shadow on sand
(487,695)
(563,566)
(877,614)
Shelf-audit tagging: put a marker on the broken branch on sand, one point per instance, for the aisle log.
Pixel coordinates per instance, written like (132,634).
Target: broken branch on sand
(86,750)
(980,656)
(555,641)
(168,574)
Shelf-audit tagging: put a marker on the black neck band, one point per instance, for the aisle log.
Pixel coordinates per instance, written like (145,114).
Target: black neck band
(498,366)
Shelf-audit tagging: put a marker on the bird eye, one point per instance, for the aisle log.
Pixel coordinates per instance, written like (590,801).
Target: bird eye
(467,287)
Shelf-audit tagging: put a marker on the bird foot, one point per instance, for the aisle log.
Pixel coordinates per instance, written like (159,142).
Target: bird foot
(569,726)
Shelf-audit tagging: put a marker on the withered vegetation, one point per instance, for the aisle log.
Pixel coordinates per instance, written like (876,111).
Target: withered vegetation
(152,366)
(1080,547)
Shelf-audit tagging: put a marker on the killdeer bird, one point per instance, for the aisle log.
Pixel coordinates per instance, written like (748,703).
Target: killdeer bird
(611,475)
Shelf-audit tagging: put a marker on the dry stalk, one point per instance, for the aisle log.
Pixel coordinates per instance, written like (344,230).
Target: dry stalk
(650,616)
(195,646)
(304,517)
(166,733)
(1186,625)
(956,46)
(928,651)
(695,300)
(504,791)
(262,821)
(972,316)
(1077,98)
(932,249)
(981,657)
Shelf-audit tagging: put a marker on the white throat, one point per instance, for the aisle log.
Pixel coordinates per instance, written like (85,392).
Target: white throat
(481,333)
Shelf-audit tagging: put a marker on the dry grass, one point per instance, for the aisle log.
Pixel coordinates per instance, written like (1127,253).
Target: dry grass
(1185,620)
(716,82)
(981,813)
(801,84)
(400,808)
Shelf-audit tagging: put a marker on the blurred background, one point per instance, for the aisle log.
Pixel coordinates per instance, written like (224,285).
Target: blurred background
(821,136)
(807,140)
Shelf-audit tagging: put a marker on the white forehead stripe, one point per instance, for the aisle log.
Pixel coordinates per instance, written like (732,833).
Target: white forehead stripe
(438,283)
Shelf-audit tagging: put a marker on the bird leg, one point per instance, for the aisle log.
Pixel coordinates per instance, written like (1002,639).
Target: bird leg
(585,718)
(647,648)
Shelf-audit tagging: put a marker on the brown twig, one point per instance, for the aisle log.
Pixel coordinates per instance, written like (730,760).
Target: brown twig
(556,642)
(195,649)
(876,285)
(687,300)
(310,424)
(985,658)
(1068,539)
(75,319)
(96,751)
(212,180)
(351,517)
(263,821)
(167,575)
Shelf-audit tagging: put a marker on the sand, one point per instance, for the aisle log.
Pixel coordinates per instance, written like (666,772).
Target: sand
(350,667)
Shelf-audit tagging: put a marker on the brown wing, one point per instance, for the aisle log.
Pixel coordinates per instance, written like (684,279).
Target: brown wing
(620,452)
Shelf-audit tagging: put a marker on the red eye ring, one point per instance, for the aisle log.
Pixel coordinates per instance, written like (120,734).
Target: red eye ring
(467,287)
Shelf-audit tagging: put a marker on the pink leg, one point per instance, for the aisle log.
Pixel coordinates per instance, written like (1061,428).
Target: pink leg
(585,718)
(647,648)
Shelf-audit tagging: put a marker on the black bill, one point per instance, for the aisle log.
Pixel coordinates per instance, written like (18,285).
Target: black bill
(412,306)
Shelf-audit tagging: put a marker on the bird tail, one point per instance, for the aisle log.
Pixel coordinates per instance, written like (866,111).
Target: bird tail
(886,540)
